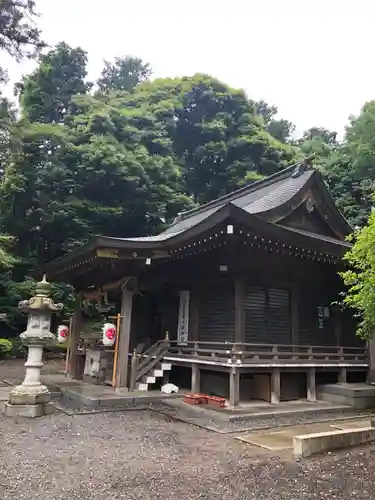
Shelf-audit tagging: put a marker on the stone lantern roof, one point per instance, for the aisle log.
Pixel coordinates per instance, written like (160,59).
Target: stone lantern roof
(41,300)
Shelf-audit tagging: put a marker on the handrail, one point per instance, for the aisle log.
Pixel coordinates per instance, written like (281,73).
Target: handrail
(230,344)
(143,362)
(242,353)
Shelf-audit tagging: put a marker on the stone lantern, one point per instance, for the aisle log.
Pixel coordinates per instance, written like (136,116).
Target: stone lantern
(31,398)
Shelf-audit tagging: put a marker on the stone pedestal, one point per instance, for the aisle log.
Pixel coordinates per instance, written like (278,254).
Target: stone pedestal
(28,411)
(29,398)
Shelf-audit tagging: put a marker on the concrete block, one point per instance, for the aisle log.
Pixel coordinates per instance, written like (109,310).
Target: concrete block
(360,396)
(25,399)
(28,411)
(312,444)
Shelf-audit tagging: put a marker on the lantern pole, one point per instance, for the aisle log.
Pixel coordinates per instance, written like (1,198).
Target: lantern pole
(67,356)
(118,318)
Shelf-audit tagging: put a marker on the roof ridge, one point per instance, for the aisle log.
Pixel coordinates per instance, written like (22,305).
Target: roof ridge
(241,191)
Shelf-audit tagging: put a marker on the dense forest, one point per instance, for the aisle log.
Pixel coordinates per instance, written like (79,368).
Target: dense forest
(123,154)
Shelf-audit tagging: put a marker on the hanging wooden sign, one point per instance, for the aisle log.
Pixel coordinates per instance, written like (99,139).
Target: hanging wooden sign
(183,318)
(108,253)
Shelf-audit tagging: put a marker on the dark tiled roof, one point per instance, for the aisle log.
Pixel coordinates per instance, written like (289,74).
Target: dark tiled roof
(321,237)
(159,237)
(257,198)
(273,195)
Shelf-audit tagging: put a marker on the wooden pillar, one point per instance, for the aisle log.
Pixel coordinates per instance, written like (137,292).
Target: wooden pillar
(311,385)
(195,378)
(74,335)
(234,386)
(239,310)
(124,338)
(337,325)
(343,376)
(295,313)
(275,386)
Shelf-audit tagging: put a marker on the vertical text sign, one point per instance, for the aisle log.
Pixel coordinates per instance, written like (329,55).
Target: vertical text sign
(183,318)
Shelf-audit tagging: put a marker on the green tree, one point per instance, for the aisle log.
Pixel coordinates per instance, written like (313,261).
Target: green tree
(19,35)
(123,74)
(214,133)
(7,260)
(321,142)
(350,166)
(46,93)
(280,129)
(360,278)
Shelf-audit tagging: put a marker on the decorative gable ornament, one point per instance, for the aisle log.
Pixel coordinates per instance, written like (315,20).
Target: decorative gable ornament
(62,334)
(310,205)
(109,334)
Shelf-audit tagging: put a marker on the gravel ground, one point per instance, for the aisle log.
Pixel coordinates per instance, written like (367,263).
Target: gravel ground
(144,455)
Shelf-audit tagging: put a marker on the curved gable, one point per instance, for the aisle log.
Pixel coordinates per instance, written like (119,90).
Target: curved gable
(314,210)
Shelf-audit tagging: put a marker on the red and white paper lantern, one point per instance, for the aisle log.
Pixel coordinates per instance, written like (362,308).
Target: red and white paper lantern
(109,334)
(62,334)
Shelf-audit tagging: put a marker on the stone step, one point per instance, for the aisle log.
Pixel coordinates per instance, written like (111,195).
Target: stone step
(281,412)
(226,422)
(78,401)
(150,379)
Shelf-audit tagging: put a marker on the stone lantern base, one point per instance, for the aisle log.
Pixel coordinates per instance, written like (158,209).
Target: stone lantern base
(28,411)
(28,401)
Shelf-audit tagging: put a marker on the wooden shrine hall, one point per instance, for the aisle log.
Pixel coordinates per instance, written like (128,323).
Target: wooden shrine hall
(235,299)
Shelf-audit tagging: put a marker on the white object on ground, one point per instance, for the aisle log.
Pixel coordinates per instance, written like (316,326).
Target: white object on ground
(169,388)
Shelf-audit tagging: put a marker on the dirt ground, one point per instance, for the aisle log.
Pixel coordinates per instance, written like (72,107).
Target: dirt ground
(14,368)
(139,454)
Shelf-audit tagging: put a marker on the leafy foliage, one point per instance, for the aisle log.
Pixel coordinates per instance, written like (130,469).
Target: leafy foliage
(46,94)
(360,278)
(19,35)
(5,348)
(7,260)
(123,74)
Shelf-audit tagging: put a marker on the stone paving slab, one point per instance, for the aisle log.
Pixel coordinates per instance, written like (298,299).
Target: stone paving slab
(276,441)
(282,439)
(352,424)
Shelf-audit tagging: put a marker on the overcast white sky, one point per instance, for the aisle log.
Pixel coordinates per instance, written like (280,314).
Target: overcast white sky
(314,59)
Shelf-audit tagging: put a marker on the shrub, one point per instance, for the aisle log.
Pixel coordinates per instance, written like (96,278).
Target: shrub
(5,348)
(19,350)
(55,350)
